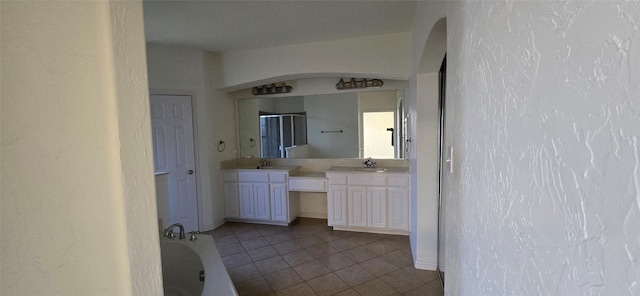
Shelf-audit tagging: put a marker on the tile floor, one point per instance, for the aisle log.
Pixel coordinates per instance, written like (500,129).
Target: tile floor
(309,258)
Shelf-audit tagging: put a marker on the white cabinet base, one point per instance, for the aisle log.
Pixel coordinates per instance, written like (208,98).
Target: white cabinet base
(369,202)
(371,230)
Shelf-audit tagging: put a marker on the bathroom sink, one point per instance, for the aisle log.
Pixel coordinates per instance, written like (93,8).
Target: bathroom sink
(370,170)
(374,170)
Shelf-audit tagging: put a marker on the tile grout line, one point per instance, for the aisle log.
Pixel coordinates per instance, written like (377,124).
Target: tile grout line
(306,233)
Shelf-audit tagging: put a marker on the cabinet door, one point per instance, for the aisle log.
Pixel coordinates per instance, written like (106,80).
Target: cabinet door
(377,207)
(262,201)
(231,208)
(247,208)
(357,204)
(279,202)
(399,208)
(337,205)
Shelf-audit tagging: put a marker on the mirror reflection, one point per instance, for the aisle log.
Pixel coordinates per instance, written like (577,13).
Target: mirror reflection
(342,125)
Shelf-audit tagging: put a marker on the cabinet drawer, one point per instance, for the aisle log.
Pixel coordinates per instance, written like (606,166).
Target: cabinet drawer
(253,177)
(365,179)
(278,177)
(230,177)
(402,181)
(337,179)
(308,184)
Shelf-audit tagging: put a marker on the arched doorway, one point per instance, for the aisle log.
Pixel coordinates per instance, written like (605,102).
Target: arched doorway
(433,66)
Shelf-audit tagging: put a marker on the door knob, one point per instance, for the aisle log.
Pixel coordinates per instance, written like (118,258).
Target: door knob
(190,172)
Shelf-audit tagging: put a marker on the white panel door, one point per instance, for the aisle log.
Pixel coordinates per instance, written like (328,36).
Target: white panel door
(337,205)
(262,201)
(245,196)
(173,150)
(357,206)
(399,208)
(231,207)
(279,201)
(377,207)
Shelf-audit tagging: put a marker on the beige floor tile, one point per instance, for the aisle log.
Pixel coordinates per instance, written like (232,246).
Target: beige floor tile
(336,261)
(247,235)
(379,248)
(243,272)
(424,290)
(225,240)
(350,292)
(378,266)
(309,258)
(282,279)
(298,257)
(354,275)
(425,276)
(344,244)
(220,232)
(278,238)
(376,287)
(254,243)
(230,249)
(287,247)
(398,258)
(328,284)
(236,260)
(359,254)
(308,241)
(322,250)
(260,254)
(311,270)
(253,287)
(401,281)
(301,289)
(271,265)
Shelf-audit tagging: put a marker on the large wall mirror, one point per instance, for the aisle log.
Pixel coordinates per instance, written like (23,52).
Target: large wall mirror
(343,125)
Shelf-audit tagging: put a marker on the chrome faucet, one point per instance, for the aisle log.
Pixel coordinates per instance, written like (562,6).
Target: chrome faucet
(169,231)
(264,163)
(369,163)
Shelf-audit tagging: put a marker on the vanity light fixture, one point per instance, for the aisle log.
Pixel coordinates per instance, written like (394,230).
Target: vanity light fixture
(271,89)
(358,83)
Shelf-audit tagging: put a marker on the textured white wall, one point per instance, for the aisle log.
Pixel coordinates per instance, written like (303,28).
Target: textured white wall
(384,56)
(78,200)
(545,197)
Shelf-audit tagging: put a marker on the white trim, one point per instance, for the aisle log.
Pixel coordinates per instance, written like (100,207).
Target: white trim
(313,215)
(425,265)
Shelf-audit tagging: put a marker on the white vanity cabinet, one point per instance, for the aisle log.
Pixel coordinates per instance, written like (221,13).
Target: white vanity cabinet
(260,196)
(370,202)
(230,187)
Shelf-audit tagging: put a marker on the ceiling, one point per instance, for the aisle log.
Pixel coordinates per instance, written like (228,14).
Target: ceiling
(223,26)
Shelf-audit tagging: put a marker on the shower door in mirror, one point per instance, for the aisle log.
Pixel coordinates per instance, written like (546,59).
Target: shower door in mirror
(281,131)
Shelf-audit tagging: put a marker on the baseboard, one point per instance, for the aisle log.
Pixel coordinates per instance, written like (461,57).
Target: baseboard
(441,267)
(212,226)
(313,215)
(425,265)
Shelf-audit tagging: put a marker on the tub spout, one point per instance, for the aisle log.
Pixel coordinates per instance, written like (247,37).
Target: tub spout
(169,231)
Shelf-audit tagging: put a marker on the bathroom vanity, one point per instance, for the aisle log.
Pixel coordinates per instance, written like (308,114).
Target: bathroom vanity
(260,195)
(357,198)
(369,199)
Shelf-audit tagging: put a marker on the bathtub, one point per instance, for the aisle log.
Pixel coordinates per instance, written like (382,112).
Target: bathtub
(194,268)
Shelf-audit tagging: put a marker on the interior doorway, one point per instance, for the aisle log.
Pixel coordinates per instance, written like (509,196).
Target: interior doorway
(378,134)
(443,164)
(174,153)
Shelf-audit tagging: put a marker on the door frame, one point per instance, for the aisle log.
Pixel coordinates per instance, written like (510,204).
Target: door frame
(196,154)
